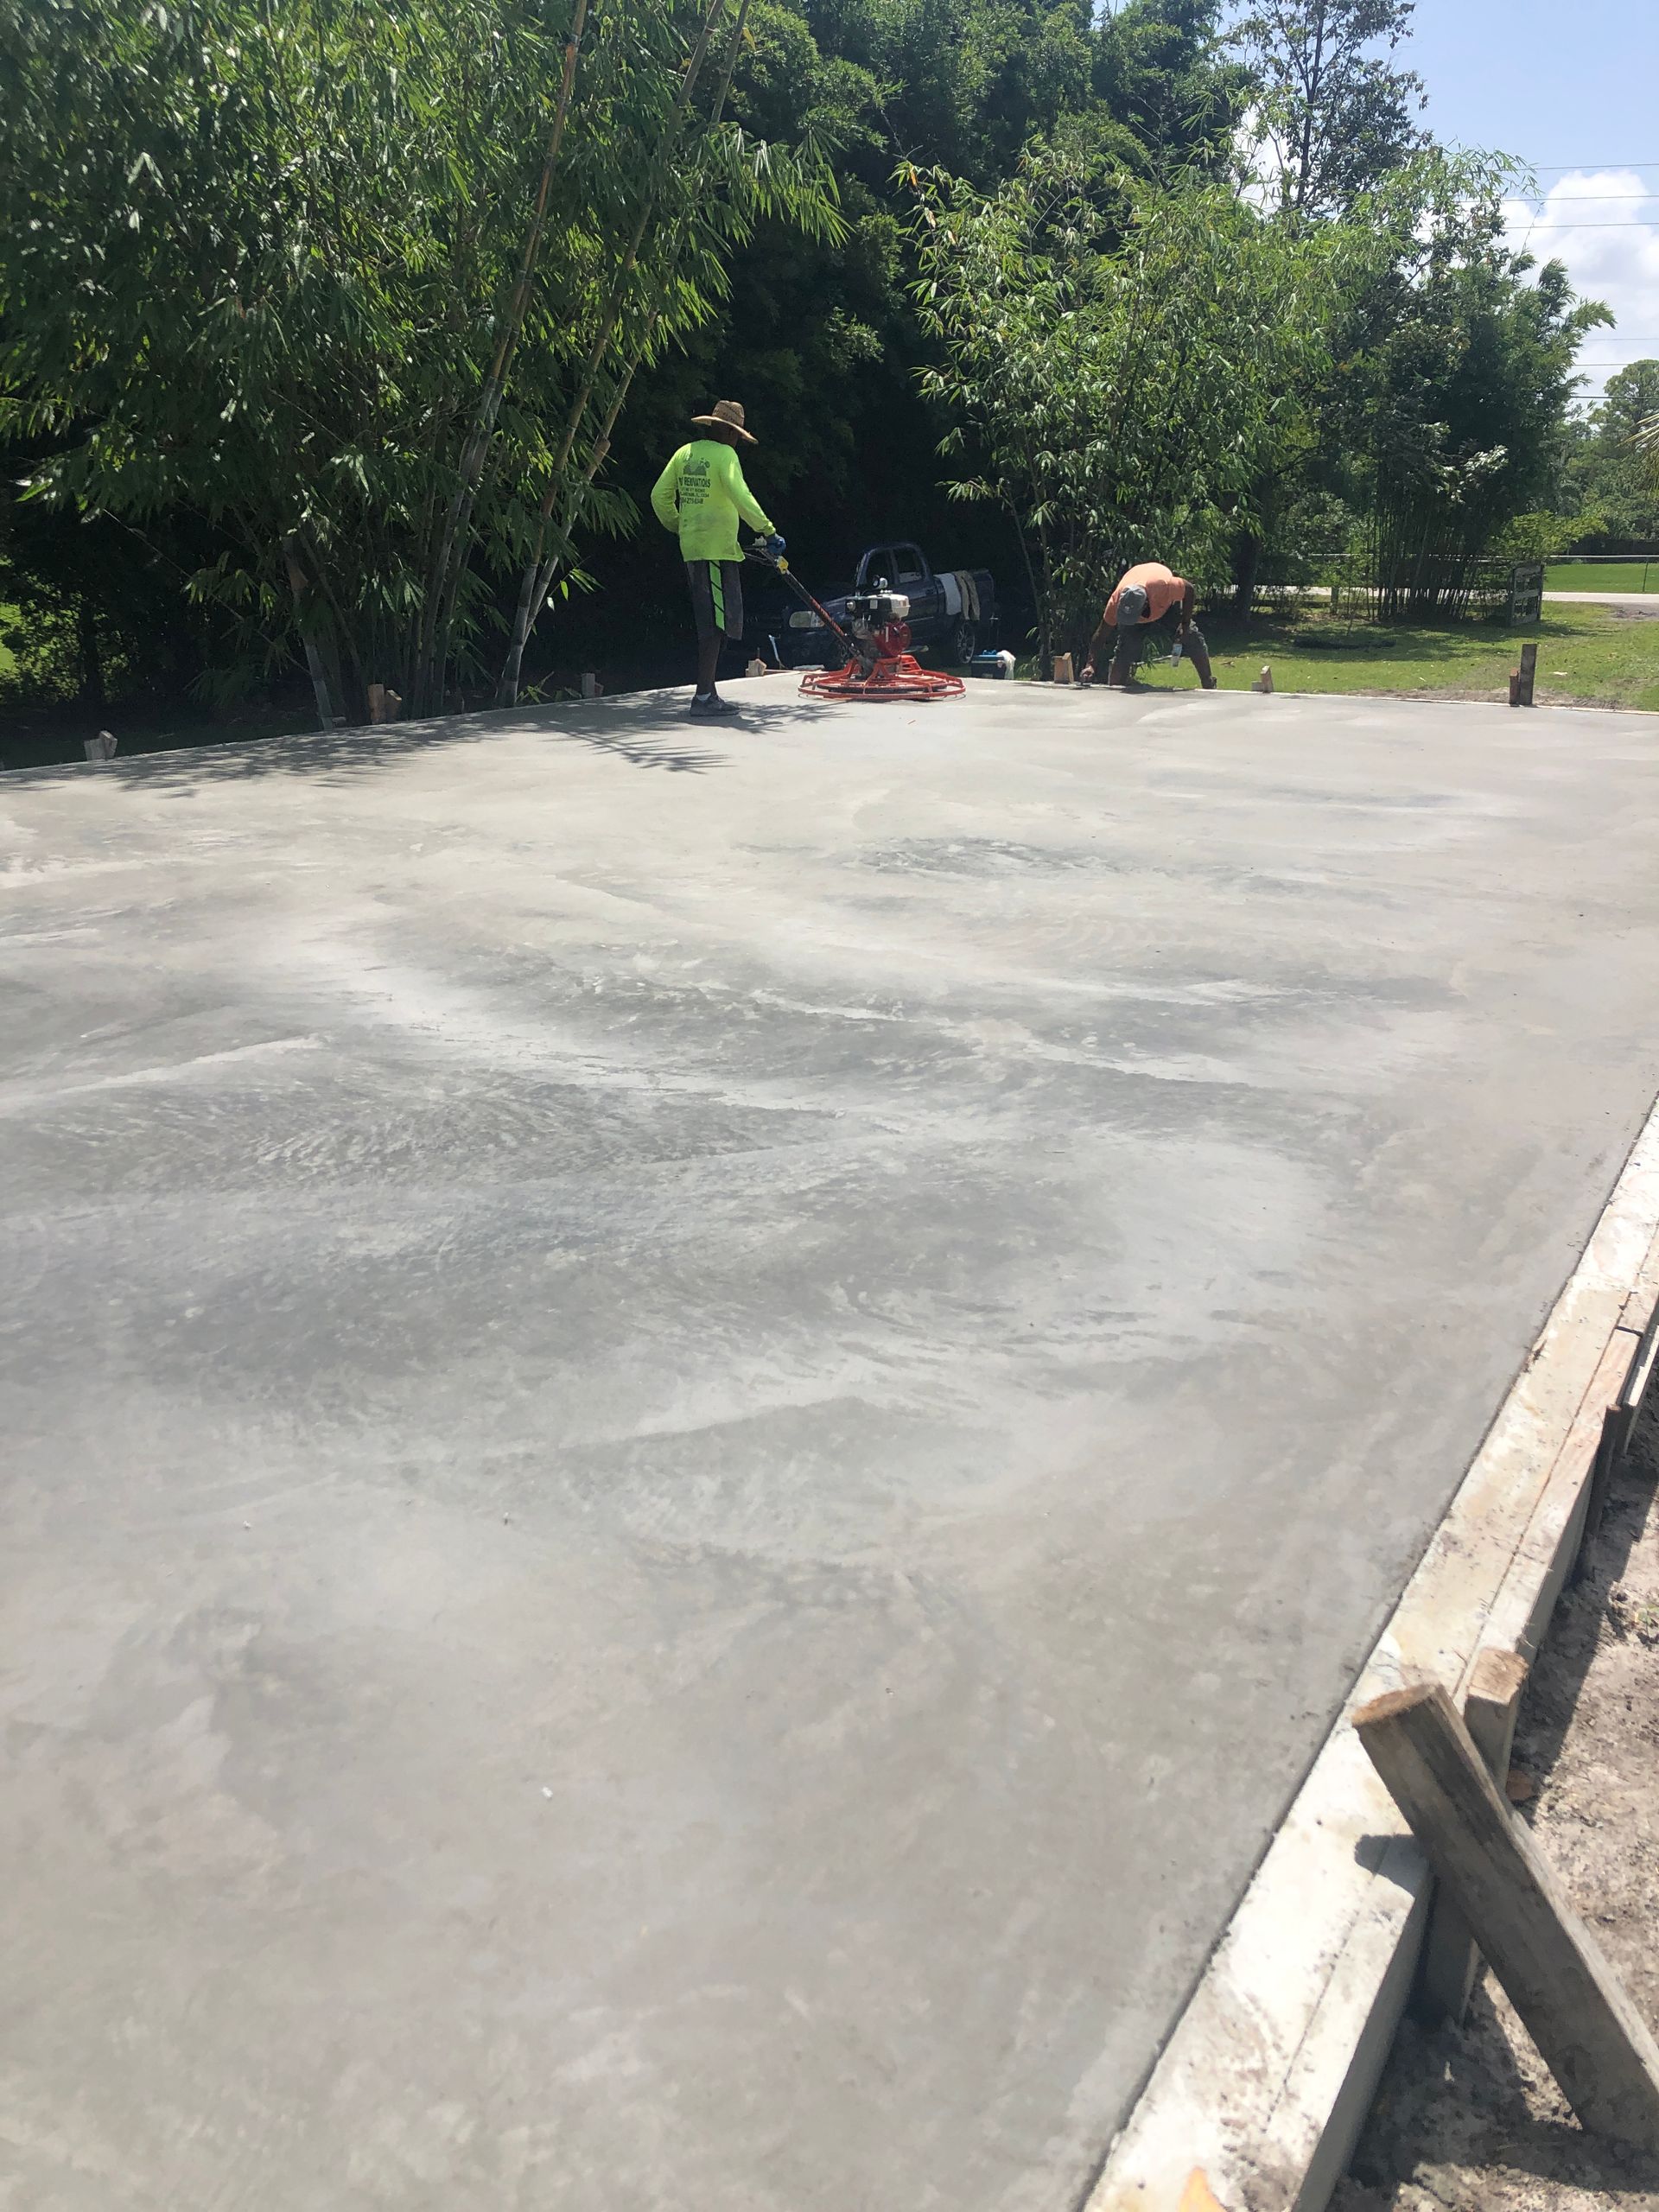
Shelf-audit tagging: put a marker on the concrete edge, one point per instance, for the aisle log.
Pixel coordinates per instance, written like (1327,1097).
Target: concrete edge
(1271,2068)
(475,724)
(464,722)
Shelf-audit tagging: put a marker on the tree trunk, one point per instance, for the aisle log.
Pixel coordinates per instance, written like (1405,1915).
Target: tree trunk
(538,576)
(1247,562)
(455,549)
(1314,88)
(92,656)
(297,584)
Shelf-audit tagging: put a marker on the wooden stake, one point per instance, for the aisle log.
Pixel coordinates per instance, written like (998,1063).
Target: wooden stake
(1451,1956)
(1617,1425)
(1521,680)
(1590,2035)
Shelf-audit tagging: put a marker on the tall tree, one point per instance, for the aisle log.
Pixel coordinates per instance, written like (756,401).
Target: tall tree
(1333,109)
(1610,476)
(1130,362)
(1455,399)
(1645,439)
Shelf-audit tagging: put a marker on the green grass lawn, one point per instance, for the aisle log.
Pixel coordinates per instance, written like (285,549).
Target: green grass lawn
(1587,656)
(1602,575)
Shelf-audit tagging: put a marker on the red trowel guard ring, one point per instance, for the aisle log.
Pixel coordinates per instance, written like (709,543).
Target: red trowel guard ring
(897,674)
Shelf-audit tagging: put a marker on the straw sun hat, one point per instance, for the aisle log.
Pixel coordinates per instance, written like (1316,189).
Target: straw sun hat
(730,413)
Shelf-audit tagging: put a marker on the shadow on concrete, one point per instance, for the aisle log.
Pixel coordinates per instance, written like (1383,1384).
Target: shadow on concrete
(645,730)
(1372,1851)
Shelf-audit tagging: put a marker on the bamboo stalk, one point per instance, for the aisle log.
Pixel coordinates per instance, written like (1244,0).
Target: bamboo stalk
(602,444)
(539,577)
(453,550)
(297,584)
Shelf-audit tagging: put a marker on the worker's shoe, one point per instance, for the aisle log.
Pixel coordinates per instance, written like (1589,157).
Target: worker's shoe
(708,706)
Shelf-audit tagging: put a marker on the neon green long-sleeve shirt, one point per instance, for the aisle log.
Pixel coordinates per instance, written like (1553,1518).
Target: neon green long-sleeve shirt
(702,495)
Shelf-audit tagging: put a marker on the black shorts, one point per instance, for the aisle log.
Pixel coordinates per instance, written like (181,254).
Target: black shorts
(716,598)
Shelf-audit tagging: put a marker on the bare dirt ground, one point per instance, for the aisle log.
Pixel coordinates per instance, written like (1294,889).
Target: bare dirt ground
(1469,2118)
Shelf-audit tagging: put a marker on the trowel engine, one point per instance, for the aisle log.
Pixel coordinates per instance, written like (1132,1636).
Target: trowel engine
(879,622)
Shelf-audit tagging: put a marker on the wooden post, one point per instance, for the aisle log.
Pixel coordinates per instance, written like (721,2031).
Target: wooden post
(1616,1424)
(1521,680)
(1062,668)
(1590,2035)
(1451,1956)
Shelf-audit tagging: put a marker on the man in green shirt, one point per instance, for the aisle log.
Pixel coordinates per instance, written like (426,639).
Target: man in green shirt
(702,496)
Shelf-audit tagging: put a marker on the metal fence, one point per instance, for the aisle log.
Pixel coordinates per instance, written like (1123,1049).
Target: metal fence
(1646,565)
(1486,588)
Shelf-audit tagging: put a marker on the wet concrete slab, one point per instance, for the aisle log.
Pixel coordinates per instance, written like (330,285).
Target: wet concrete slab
(700,1423)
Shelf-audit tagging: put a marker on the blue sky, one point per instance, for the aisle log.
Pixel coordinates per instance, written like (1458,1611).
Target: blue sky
(1574,91)
(1554,84)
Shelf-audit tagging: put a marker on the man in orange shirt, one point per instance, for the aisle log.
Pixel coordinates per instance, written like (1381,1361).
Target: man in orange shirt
(1146,594)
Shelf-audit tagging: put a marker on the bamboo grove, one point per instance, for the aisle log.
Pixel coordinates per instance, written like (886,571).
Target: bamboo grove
(364,286)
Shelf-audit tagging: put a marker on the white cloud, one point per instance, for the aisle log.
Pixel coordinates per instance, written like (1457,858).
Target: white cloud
(1257,162)
(1603,223)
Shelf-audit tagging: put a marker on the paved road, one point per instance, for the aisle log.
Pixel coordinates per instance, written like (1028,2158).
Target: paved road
(1637,602)
(1634,602)
(702,1423)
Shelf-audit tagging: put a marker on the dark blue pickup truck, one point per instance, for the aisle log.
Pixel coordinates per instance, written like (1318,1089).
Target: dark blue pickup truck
(951,610)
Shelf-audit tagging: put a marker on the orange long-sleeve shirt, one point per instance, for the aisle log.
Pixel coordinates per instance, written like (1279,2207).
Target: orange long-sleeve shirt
(1163,587)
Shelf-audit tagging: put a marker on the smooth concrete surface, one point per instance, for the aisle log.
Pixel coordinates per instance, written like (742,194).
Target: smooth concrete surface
(701,1423)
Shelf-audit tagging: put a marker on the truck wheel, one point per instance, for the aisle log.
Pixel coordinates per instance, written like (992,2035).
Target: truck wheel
(962,640)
